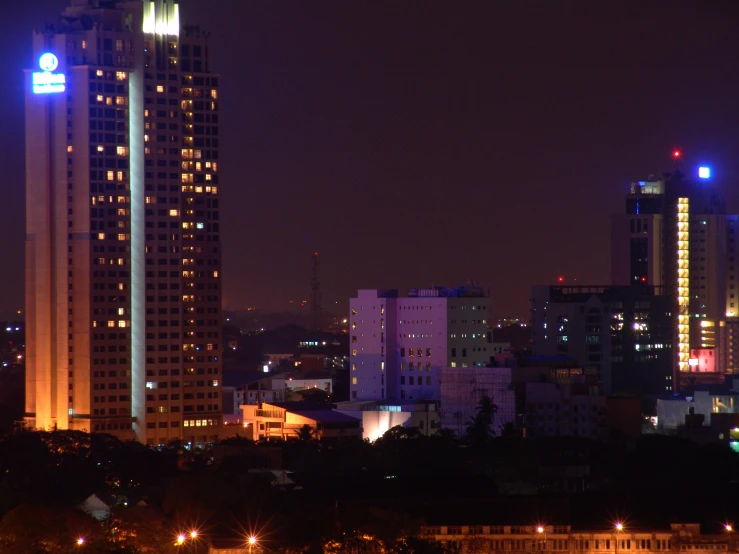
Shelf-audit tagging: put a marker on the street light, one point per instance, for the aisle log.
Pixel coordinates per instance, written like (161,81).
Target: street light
(728,528)
(180,539)
(619,527)
(542,531)
(80,541)
(252,540)
(194,534)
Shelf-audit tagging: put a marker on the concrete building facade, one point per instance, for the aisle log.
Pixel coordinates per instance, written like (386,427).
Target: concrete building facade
(623,333)
(123,256)
(398,345)
(462,389)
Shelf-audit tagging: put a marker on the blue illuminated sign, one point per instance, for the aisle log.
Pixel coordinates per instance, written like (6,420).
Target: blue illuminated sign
(46,81)
(704,172)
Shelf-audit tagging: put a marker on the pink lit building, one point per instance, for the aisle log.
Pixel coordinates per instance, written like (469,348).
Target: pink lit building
(399,344)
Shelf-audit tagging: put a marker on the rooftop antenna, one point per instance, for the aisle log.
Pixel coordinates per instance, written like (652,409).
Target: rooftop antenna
(676,156)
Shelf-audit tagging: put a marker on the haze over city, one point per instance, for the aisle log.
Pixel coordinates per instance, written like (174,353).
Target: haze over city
(481,141)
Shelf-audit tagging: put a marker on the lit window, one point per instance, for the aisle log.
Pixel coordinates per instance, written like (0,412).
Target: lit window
(84,44)
(160,88)
(354,380)
(111,323)
(121,311)
(101,148)
(120,75)
(120,176)
(174,213)
(99,73)
(122,150)
(110,175)
(151,385)
(99,98)
(215,274)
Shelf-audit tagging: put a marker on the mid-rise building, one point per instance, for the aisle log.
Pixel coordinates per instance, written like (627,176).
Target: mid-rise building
(123,254)
(399,344)
(622,333)
(462,390)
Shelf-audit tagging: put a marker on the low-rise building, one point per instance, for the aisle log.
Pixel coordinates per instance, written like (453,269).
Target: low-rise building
(379,417)
(286,421)
(681,537)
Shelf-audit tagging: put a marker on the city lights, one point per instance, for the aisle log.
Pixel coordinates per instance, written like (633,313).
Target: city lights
(683,284)
(619,526)
(704,172)
(180,539)
(80,541)
(194,534)
(252,540)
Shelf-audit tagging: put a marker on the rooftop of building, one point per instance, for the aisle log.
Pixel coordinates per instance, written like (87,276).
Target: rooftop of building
(470,291)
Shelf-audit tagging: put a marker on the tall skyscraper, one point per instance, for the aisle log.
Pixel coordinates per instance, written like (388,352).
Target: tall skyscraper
(675,232)
(123,255)
(399,344)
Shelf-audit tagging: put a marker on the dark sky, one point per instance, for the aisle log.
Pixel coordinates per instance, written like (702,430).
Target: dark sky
(419,143)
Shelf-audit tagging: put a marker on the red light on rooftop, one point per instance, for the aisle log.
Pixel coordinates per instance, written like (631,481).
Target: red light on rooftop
(560,279)
(315,253)
(643,279)
(676,154)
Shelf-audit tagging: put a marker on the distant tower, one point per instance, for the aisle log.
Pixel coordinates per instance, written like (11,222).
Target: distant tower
(315,288)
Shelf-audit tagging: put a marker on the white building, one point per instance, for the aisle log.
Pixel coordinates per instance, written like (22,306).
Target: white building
(463,389)
(399,344)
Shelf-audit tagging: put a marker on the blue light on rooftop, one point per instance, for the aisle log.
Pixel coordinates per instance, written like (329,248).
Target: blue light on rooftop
(704,172)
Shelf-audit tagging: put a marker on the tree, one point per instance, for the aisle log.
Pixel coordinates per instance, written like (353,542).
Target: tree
(306,433)
(480,428)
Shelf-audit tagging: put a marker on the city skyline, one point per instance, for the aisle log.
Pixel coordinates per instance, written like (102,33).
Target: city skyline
(339,125)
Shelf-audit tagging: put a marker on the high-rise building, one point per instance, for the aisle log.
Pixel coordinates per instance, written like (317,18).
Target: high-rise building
(675,232)
(399,344)
(123,255)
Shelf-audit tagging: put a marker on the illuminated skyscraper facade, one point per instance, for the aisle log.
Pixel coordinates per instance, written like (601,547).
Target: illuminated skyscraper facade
(675,232)
(123,293)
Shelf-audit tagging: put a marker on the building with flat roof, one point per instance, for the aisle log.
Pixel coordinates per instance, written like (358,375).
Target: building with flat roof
(462,390)
(123,252)
(399,344)
(622,333)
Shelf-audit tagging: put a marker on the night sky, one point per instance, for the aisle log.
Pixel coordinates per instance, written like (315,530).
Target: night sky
(420,143)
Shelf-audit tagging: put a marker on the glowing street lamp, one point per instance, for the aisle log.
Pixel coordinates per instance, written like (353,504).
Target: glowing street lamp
(728,528)
(619,526)
(540,529)
(194,534)
(180,539)
(252,540)
(80,541)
